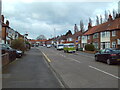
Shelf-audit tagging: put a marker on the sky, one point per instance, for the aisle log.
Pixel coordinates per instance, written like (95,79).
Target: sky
(52,18)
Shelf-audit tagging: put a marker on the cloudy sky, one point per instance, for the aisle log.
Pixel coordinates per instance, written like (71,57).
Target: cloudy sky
(37,17)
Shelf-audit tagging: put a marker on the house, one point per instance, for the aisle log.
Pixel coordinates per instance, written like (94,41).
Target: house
(9,34)
(106,35)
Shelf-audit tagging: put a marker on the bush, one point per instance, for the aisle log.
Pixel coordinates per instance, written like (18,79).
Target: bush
(18,44)
(89,47)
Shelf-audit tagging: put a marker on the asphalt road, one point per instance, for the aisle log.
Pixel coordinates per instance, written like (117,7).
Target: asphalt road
(80,70)
(30,71)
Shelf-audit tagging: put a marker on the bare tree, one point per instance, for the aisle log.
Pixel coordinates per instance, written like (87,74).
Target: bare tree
(114,13)
(97,20)
(101,19)
(90,21)
(106,16)
(81,26)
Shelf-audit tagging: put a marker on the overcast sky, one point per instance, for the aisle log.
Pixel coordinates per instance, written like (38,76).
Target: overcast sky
(36,18)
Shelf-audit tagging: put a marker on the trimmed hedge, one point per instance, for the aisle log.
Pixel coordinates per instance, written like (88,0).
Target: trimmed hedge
(89,47)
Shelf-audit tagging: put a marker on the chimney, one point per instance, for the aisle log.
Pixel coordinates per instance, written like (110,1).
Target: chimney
(89,26)
(110,18)
(7,22)
(2,16)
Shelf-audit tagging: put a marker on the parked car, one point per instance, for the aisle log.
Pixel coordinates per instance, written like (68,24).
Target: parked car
(49,45)
(109,55)
(13,53)
(60,46)
(69,48)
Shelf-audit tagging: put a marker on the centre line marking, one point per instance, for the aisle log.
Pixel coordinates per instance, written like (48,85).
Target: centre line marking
(104,72)
(46,57)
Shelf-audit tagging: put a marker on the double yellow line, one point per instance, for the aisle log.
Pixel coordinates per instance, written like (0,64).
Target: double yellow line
(46,57)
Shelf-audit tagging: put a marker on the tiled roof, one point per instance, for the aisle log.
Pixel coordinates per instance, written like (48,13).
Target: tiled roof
(77,34)
(110,25)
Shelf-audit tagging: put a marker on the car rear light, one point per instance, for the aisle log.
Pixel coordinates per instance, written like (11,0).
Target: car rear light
(113,54)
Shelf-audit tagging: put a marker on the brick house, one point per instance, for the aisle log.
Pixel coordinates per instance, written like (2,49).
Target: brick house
(106,35)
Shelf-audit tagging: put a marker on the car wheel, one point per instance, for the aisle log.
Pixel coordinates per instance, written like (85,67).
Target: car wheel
(96,58)
(109,62)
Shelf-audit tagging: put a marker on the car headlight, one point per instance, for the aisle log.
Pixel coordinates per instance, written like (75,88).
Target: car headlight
(19,51)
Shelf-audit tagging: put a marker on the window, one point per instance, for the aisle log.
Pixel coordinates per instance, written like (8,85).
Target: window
(69,39)
(105,34)
(113,44)
(113,33)
(119,41)
(95,45)
(95,35)
(79,37)
(88,37)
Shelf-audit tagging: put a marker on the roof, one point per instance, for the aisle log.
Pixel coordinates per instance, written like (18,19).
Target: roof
(77,34)
(107,26)
(37,40)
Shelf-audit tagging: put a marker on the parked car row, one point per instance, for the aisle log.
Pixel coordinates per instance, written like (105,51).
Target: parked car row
(13,53)
(69,47)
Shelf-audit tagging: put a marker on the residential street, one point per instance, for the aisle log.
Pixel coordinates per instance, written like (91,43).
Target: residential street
(30,71)
(80,70)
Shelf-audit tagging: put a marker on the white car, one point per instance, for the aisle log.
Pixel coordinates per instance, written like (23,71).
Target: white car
(48,46)
(60,46)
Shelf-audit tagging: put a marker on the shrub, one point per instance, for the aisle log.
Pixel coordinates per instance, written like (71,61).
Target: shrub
(18,44)
(89,47)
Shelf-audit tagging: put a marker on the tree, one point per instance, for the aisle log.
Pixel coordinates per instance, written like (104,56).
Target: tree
(101,20)
(18,44)
(106,16)
(81,26)
(114,13)
(90,21)
(41,37)
(97,20)
(68,33)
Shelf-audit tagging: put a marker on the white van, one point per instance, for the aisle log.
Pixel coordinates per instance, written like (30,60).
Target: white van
(60,46)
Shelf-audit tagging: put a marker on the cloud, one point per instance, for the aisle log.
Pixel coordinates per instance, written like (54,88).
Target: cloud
(38,18)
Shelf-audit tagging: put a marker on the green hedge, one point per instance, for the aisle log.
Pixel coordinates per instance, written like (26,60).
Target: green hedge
(18,44)
(89,47)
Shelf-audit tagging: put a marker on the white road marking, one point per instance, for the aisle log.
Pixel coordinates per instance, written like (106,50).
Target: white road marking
(46,57)
(104,72)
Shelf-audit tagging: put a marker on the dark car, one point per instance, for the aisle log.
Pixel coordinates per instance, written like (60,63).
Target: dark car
(109,55)
(13,53)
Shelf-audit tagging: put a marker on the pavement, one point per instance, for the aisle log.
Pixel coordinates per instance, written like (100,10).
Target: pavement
(80,70)
(30,71)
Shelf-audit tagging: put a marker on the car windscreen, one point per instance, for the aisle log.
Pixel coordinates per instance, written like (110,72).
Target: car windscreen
(115,51)
(60,45)
(71,46)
